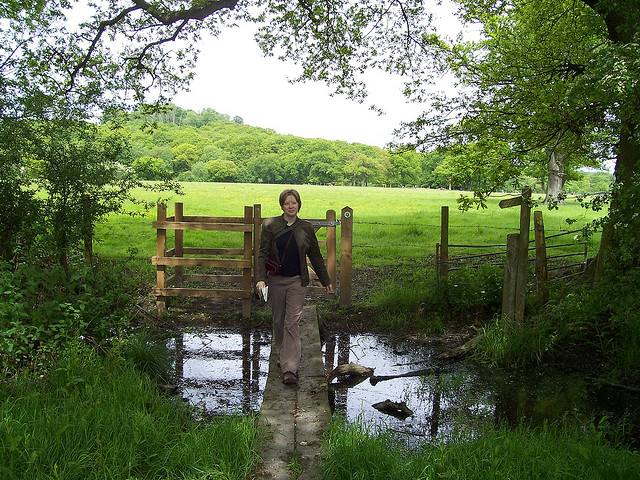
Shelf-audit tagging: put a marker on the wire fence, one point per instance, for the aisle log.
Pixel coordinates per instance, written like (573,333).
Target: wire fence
(424,250)
(555,262)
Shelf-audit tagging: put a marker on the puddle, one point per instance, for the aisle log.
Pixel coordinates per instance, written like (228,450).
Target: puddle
(462,396)
(222,371)
(225,371)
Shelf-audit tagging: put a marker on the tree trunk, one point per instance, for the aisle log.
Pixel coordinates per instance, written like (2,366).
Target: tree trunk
(555,167)
(621,20)
(622,222)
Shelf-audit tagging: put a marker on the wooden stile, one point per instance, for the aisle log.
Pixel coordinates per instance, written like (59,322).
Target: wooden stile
(179,243)
(161,251)
(175,257)
(247,277)
(250,225)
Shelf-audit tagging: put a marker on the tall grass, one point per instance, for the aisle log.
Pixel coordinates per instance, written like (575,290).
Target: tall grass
(96,417)
(354,452)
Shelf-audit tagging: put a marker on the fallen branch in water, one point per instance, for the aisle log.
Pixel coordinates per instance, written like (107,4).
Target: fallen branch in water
(350,370)
(416,373)
(462,349)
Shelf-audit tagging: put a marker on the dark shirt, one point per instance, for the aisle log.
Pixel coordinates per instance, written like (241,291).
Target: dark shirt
(290,262)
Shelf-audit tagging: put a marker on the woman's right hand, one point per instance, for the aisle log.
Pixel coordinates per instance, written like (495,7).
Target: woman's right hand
(259,286)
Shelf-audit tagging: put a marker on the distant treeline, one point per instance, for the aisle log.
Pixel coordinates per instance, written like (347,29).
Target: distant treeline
(211,147)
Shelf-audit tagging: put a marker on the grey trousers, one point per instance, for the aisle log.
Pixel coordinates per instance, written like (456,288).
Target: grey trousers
(286,295)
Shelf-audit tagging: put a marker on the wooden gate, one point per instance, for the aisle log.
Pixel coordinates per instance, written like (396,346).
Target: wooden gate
(175,257)
(250,224)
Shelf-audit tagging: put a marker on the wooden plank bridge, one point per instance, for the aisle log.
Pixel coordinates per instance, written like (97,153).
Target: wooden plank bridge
(294,418)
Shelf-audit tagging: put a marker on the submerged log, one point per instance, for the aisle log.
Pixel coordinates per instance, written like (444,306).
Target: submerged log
(462,349)
(348,370)
(398,410)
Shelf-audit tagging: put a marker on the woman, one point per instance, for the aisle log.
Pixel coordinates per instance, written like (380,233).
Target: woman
(287,241)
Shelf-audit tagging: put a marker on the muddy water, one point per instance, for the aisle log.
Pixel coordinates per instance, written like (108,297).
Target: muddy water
(222,371)
(225,371)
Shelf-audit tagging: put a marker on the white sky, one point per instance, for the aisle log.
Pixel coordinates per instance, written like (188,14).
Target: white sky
(234,78)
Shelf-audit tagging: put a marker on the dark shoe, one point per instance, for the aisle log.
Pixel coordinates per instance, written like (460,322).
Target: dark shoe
(290,378)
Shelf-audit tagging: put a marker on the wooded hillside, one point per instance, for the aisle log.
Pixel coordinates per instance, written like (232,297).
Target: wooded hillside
(210,146)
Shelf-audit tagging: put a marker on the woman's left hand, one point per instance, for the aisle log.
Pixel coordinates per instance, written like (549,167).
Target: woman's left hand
(329,289)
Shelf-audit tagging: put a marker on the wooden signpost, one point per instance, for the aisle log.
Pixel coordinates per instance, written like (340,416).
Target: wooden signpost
(514,294)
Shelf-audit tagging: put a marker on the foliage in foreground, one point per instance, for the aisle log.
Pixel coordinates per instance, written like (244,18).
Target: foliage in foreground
(353,452)
(602,320)
(40,310)
(94,416)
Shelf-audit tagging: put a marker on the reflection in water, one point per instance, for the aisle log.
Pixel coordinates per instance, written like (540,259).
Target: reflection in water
(224,371)
(459,398)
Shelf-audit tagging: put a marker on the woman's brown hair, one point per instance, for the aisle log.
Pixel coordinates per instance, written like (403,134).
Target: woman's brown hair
(286,193)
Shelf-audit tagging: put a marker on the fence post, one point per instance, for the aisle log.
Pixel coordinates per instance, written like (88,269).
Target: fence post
(161,251)
(510,276)
(246,272)
(346,259)
(542,275)
(179,241)
(523,253)
(331,247)
(257,232)
(443,259)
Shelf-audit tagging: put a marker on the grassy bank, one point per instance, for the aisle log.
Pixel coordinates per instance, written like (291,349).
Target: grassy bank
(353,452)
(92,416)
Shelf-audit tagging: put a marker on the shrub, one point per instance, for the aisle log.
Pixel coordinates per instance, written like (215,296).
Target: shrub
(41,311)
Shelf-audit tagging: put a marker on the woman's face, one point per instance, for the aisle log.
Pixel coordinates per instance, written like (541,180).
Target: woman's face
(290,206)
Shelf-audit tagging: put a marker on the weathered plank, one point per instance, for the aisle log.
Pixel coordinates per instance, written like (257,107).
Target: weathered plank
(295,418)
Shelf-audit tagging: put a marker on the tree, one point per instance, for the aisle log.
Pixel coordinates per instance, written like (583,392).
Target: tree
(560,76)
(76,165)
(362,169)
(200,172)
(324,168)
(185,156)
(404,169)
(616,74)
(19,208)
(131,52)
(222,170)
(150,168)
(518,85)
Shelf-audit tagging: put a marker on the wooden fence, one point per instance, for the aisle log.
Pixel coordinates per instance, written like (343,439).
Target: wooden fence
(514,256)
(250,225)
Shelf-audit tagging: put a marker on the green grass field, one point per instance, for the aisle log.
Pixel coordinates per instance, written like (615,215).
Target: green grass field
(391,225)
